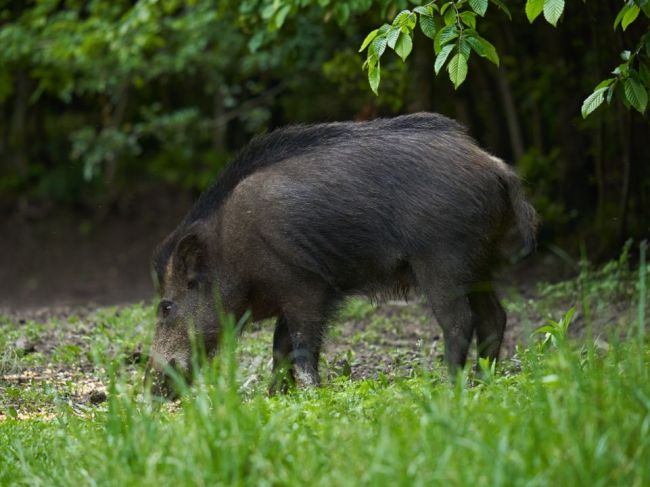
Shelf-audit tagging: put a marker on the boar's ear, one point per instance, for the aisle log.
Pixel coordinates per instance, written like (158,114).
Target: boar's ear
(190,257)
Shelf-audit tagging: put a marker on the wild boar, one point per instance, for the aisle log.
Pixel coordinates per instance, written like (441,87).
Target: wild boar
(306,216)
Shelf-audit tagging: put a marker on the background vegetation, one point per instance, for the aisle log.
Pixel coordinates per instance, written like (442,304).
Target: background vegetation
(100,98)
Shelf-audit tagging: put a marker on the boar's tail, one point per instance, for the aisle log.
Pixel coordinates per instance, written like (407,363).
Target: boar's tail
(526,217)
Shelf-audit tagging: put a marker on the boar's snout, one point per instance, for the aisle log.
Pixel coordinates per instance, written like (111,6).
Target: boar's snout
(161,377)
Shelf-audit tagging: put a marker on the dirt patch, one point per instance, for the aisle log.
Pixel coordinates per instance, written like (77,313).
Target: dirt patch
(75,258)
(42,388)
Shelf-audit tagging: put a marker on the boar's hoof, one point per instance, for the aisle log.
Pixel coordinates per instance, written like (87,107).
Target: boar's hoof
(282,382)
(307,378)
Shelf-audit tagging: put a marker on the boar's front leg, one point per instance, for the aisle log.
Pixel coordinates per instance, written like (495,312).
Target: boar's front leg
(282,366)
(306,340)
(307,310)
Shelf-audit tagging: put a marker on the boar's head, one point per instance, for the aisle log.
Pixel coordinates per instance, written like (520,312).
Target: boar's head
(187,313)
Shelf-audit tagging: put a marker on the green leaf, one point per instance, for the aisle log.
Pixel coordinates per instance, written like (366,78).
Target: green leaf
(268,11)
(464,48)
(479,6)
(483,48)
(553,11)
(257,40)
(630,16)
(645,7)
(392,36)
(450,17)
(593,101)
(378,46)
(533,9)
(621,14)
(610,92)
(469,19)
(374,76)
(281,15)
(412,21)
(404,46)
(401,17)
(441,58)
(544,329)
(428,26)
(502,7)
(444,35)
(622,70)
(635,94)
(604,83)
(457,70)
(644,75)
(369,38)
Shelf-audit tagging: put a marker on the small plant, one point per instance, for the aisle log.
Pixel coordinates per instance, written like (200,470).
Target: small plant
(487,370)
(8,361)
(555,332)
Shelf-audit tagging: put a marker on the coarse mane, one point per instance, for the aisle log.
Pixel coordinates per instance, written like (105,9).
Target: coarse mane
(264,151)
(267,149)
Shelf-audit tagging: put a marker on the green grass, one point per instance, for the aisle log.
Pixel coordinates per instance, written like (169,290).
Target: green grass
(561,411)
(563,419)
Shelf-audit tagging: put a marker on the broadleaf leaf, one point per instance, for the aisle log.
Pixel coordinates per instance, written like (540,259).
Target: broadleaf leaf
(404,46)
(635,94)
(479,6)
(457,69)
(553,10)
(533,9)
(593,101)
(442,56)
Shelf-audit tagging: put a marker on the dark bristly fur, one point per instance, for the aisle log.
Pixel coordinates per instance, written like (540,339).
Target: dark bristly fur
(267,149)
(307,215)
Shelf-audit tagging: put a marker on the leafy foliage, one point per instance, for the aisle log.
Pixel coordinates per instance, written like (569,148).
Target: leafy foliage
(633,74)
(452,26)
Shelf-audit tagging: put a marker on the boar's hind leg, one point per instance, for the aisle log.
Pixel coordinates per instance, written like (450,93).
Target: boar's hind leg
(450,304)
(282,367)
(490,323)
(455,318)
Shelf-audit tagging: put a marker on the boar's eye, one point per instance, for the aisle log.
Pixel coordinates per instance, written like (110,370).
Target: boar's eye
(192,284)
(165,308)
